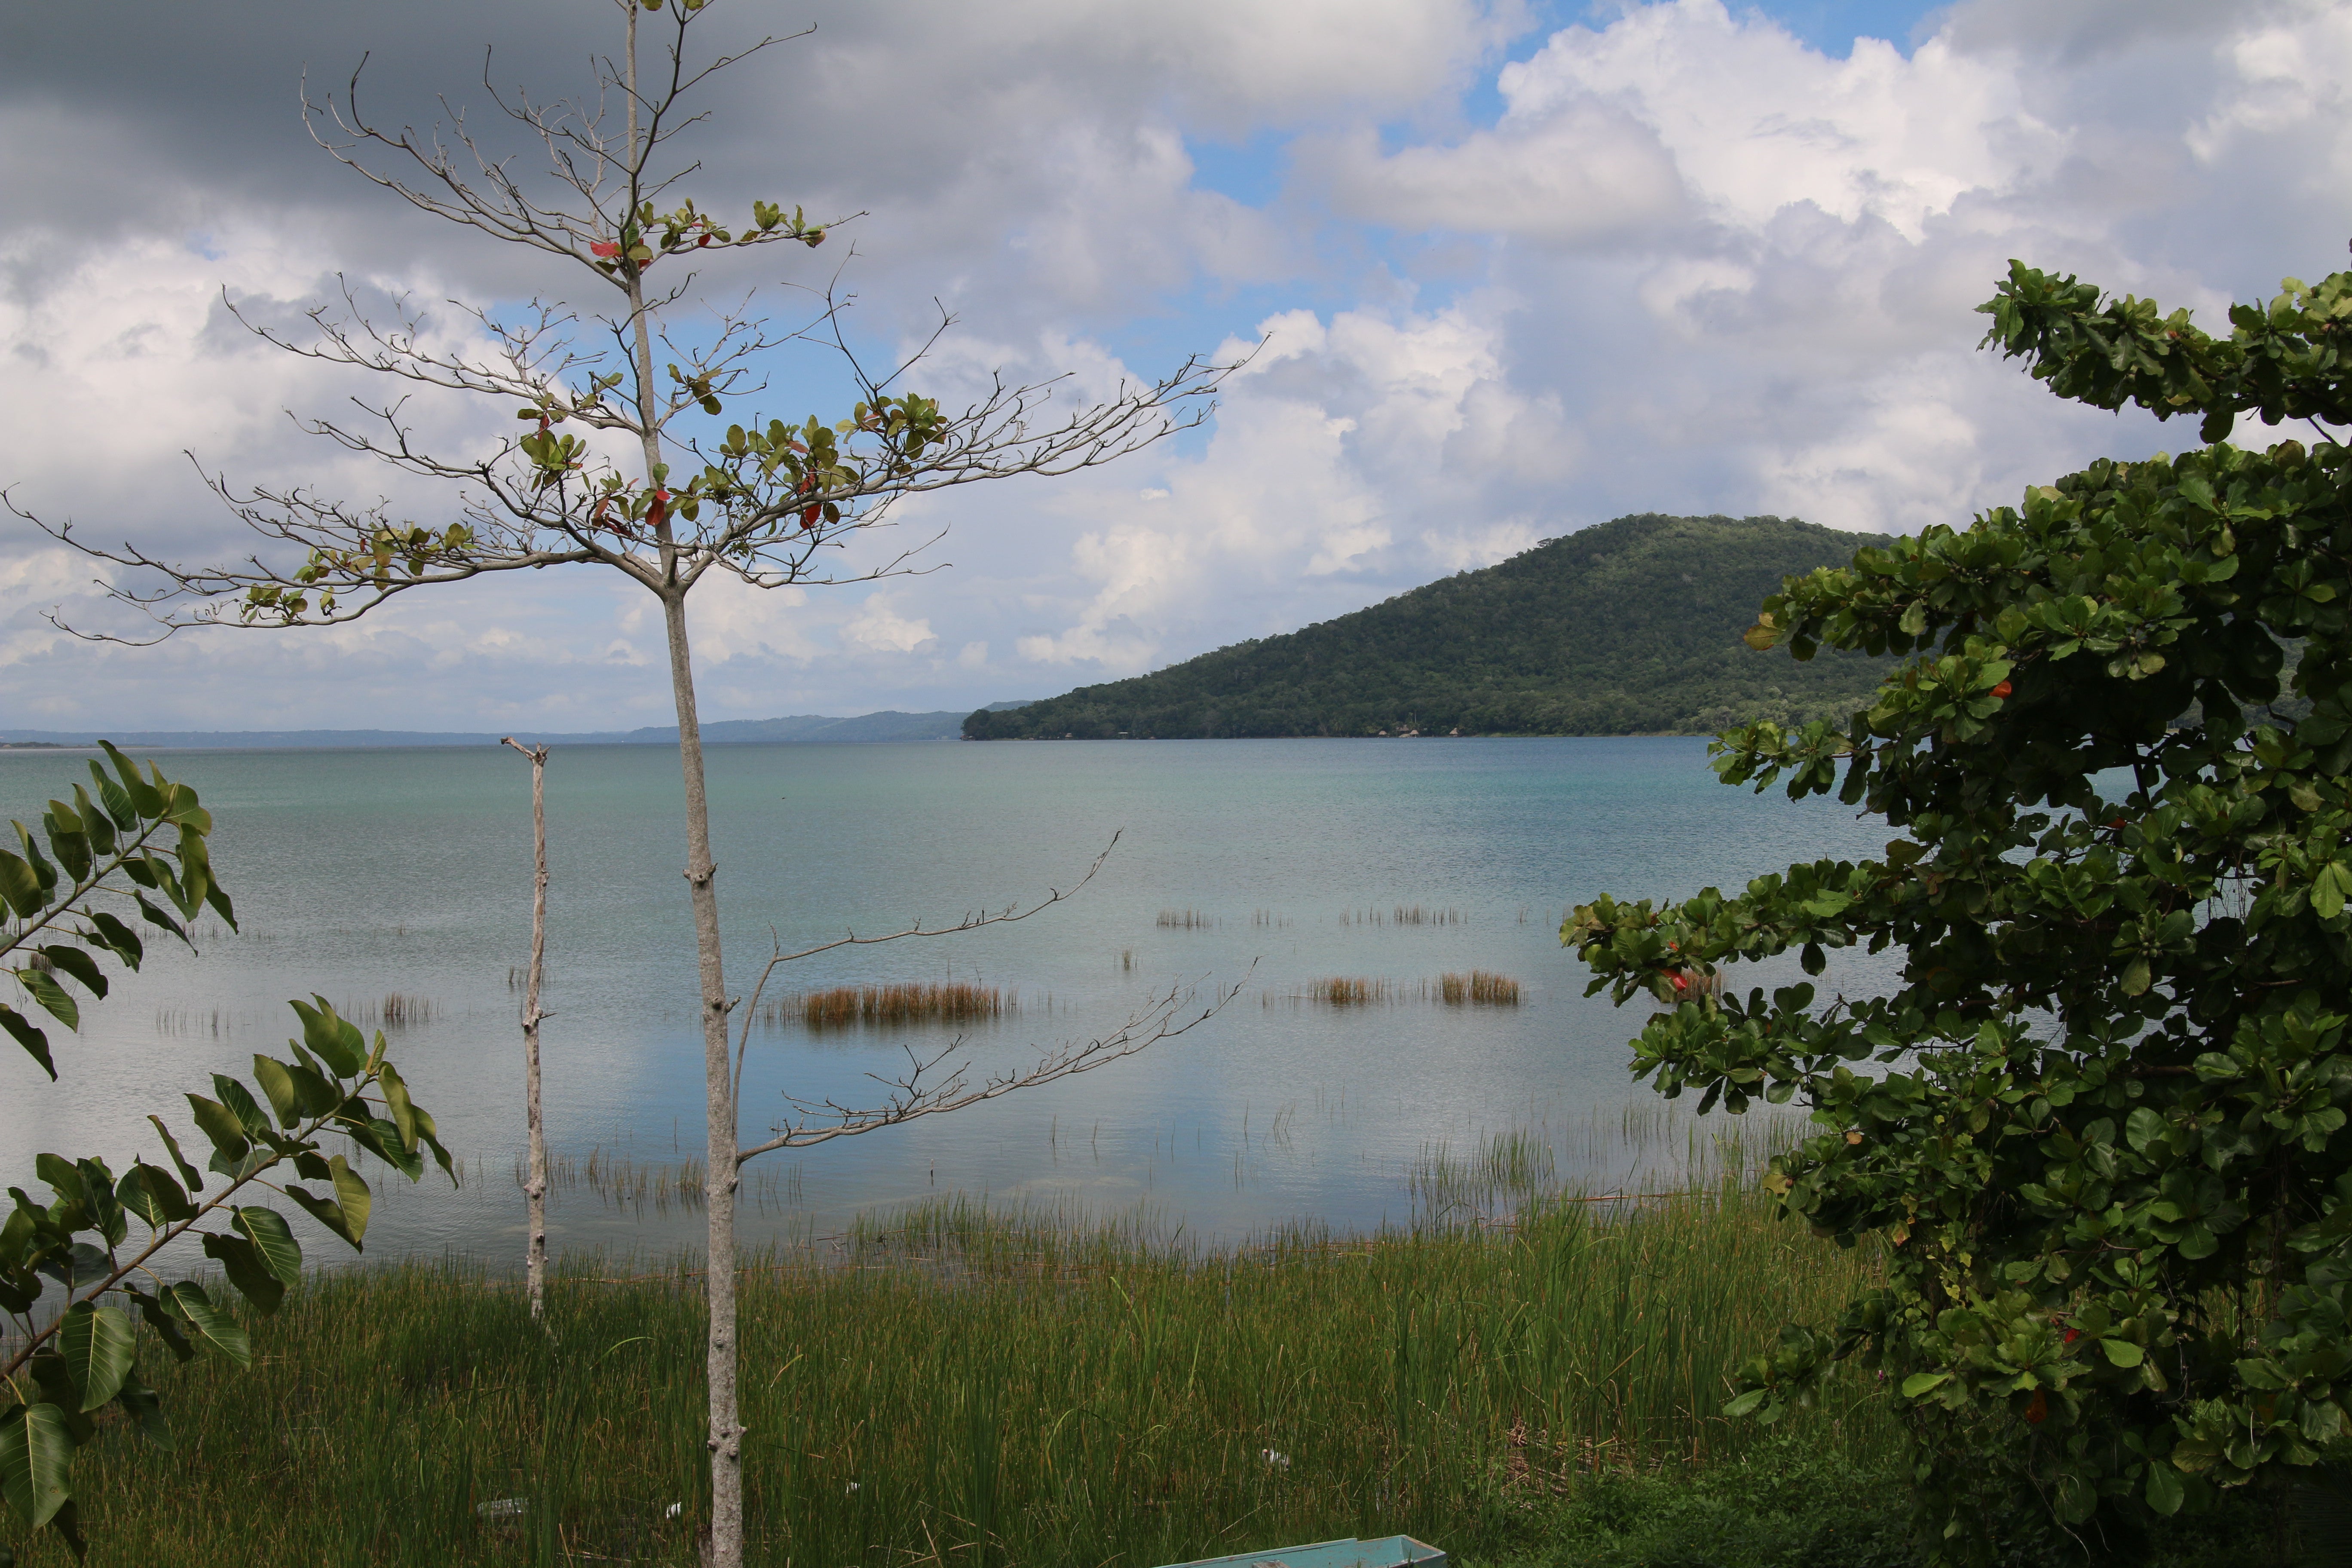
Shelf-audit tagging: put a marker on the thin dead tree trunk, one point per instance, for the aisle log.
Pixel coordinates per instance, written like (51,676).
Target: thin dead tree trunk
(534,1191)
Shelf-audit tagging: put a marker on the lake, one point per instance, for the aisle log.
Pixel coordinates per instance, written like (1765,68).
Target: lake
(1265,865)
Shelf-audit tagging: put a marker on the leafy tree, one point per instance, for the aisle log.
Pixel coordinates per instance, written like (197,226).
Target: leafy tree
(70,1274)
(2104,1142)
(622,463)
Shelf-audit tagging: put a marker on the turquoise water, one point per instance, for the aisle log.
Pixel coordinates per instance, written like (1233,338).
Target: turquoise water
(360,874)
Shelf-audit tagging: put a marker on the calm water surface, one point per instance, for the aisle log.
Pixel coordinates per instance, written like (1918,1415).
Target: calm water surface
(363,874)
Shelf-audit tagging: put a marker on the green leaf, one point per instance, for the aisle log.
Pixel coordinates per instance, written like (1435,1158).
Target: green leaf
(74,962)
(2123,1352)
(278,1085)
(188,1173)
(170,1328)
(2136,978)
(352,1192)
(326,1211)
(2145,1127)
(2164,1489)
(150,1192)
(144,797)
(245,1271)
(1746,1403)
(94,823)
(187,1298)
(120,938)
(97,1344)
(35,1463)
(36,1043)
(119,809)
(145,1407)
(19,886)
(1920,1382)
(220,1124)
(311,1091)
(396,1100)
(273,1241)
(51,996)
(335,1042)
(241,1105)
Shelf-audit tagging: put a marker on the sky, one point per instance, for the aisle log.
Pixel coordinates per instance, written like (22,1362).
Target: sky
(1501,270)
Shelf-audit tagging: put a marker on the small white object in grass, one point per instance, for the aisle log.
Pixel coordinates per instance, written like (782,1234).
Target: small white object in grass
(1278,1461)
(853,1487)
(504,1508)
(673,1510)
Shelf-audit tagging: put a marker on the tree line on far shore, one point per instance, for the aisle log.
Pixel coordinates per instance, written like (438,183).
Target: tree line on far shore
(1628,628)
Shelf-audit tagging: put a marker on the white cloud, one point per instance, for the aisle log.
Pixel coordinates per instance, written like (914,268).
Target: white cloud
(1692,267)
(879,627)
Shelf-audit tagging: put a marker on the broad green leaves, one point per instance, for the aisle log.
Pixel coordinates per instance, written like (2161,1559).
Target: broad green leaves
(82,1361)
(36,1458)
(146,831)
(71,1267)
(2098,1118)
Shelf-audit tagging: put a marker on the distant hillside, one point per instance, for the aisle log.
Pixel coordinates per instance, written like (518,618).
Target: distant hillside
(1627,628)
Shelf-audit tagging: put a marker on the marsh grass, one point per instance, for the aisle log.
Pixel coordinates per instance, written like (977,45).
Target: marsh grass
(1405,915)
(960,1387)
(394,1010)
(619,1181)
(1479,988)
(1185,919)
(915,1002)
(212,1021)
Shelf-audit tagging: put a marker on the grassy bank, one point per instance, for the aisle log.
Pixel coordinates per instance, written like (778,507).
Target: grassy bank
(962,1389)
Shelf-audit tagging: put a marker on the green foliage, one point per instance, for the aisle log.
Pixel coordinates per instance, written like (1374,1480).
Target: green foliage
(2104,1137)
(1628,628)
(74,1284)
(64,910)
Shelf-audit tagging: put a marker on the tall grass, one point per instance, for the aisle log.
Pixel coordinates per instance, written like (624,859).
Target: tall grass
(395,1010)
(1185,919)
(915,1002)
(1405,915)
(1479,988)
(974,1390)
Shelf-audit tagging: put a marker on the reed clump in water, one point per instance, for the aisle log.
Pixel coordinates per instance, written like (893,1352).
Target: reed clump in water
(913,1002)
(397,1010)
(1479,988)
(1185,919)
(1342,991)
(956,1385)
(1405,915)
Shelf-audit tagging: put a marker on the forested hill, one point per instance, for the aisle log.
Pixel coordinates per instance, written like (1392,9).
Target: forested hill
(1626,627)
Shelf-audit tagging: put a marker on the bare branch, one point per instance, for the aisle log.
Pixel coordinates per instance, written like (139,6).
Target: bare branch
(920,1091)
(972,920)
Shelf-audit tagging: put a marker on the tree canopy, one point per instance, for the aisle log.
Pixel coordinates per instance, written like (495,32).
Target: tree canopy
(2097,1120)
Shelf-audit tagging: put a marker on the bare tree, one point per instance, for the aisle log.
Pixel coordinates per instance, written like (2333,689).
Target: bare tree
(534,1190)
(761,502)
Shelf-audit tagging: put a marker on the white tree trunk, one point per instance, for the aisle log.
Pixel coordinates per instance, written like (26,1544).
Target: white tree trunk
(724,1548)
(535,1190)
(726,1436)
